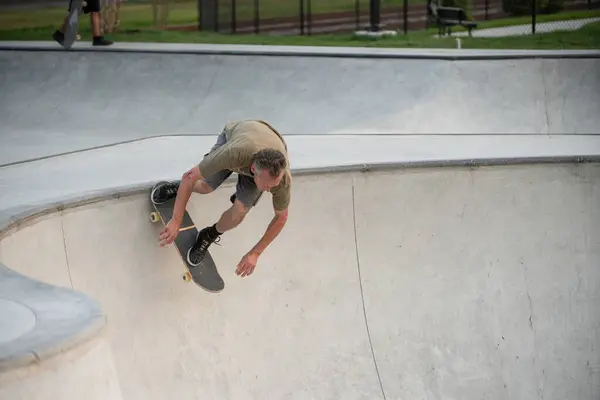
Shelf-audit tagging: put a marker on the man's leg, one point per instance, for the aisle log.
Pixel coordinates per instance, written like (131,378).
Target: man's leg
(169,190)
(246,197)
(231,218)
(93,7)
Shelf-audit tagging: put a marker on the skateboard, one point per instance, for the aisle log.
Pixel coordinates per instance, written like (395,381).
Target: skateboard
(73,22)
(204,275)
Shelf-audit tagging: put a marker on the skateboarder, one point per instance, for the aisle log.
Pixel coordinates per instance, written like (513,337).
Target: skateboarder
(92,8)
(258,154)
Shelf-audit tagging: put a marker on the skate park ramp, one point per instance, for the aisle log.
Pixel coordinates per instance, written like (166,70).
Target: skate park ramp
(418,283)
(55,101)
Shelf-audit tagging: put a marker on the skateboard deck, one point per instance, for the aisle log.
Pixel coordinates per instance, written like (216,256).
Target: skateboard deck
(204,275)
(73,22)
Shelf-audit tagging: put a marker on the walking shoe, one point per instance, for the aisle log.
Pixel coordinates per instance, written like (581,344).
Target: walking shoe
(100,41)
(197,252)
(59,37)
(164,192)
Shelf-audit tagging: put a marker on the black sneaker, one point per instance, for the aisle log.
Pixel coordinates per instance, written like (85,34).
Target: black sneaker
(100,41)
(197,252)
(59,37)
(164,191)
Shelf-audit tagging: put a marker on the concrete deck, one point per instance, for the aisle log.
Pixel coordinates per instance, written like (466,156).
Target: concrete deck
(467,268)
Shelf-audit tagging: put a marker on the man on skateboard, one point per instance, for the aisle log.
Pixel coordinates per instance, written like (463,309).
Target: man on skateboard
(92,8)
(258,154)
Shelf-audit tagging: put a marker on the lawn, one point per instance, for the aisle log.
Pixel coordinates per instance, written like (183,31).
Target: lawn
(138,14)
(136,27)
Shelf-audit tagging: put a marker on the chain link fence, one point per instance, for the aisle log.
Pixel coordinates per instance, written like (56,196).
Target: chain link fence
(482,18)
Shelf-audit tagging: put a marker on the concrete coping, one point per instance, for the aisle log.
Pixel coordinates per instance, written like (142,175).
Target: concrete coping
(304,51)
(23,215)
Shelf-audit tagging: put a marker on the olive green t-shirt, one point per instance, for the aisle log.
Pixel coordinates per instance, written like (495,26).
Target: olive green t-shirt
(244,139)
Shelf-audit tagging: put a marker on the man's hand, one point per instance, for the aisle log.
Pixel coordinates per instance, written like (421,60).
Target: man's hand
(247,264)
(169,234)
(186,186)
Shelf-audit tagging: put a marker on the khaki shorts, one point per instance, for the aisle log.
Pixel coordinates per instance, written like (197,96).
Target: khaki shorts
(245,190)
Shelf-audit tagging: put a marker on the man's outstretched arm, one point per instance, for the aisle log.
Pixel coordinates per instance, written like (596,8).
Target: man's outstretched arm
(186,186)
(248,262)
(274,228)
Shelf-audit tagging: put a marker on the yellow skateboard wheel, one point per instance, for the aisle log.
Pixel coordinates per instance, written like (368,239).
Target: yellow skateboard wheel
(154,217)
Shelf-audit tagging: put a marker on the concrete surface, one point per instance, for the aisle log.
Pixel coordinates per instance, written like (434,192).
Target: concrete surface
(55,101)
(450,282)
(17,320)
(526,29)
(43,318)
(54,180)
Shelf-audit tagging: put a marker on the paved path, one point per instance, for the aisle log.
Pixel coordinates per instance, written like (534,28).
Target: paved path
(540,27)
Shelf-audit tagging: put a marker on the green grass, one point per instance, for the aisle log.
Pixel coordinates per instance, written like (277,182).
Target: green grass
(138,14)
(585,38)
(39,25)
(526,20)
(567,15)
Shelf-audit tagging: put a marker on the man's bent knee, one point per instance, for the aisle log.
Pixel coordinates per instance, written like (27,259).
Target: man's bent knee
(202,187)
(239,210)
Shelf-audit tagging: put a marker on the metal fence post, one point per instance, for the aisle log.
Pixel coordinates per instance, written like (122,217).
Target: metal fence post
(309,16)
(256,16)
(199,10)
(301,2)
(375,15)
(233,16)
(405,15)
(533,11)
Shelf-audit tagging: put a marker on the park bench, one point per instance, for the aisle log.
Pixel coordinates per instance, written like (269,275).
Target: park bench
(447,17)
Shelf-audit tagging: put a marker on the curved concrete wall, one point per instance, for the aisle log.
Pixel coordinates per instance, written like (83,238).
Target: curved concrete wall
(426,282)
(51,341)
(454,282)
(370,91)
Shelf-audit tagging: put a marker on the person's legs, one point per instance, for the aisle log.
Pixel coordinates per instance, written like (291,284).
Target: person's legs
(92,8)
(246,196)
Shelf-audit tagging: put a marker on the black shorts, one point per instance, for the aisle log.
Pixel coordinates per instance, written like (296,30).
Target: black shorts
(91,6)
